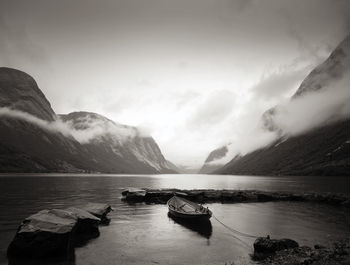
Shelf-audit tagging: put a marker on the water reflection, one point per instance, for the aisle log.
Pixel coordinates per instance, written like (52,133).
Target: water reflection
(143,234)
(49,261)
(202,227)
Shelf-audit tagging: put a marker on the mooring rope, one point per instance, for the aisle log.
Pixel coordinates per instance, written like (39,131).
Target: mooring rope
(234,230)
(240,240)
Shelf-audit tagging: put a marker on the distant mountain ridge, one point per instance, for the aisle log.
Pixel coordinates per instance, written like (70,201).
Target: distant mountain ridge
(209,164)
(35,139)
(120,141)
(324,150)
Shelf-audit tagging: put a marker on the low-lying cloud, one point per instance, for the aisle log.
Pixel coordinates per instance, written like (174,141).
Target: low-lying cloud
(90,128)
(280,84)
(292,117)
(314,109)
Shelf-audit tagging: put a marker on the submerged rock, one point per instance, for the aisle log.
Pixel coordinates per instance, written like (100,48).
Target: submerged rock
(264,246)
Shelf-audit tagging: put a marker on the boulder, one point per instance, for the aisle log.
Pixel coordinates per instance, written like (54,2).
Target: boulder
(47,233)
(133,190)
(264,246)
(212,195)
(53,233)
(99,210)
(134,195)
(87,225)
(158,196)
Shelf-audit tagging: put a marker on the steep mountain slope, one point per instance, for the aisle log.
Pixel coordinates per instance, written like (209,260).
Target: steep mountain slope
(216,154)
(113,144)
(336,66)
(34,139)
(20,91)
(26,146)
(324,150)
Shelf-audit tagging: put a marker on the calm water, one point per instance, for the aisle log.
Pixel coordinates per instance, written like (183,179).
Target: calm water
(144,234)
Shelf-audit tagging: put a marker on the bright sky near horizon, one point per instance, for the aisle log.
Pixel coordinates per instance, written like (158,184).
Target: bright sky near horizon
(195,74)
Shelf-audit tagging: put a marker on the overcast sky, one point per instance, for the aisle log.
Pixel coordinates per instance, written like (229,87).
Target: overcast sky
(190,72)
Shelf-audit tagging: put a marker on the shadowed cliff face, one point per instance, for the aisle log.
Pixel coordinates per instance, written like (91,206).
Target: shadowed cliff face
(334,68)
(35,139)
(323,77)
(19,91)
(321,145)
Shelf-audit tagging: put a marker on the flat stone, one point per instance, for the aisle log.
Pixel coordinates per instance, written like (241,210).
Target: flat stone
(134,194)
(55,221)
(99,210)
(133,190)
(82,214)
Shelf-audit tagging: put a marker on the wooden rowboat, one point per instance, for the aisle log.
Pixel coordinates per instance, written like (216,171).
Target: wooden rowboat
(182,208)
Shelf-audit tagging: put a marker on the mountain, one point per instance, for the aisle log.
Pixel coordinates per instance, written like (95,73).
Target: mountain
(25,146)
(324,150)
(335,67)
(19,91)
(117,146)
(35,139)
(216,154)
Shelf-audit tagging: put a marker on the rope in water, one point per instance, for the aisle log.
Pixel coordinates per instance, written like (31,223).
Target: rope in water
(234,230)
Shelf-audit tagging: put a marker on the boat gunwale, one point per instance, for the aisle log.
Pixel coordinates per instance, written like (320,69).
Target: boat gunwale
(208,213)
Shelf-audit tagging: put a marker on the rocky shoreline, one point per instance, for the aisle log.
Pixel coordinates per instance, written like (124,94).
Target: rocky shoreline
(161,196)
(287,252)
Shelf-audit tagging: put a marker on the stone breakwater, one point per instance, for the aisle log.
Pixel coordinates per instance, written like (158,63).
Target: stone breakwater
(56,232)
(161,196)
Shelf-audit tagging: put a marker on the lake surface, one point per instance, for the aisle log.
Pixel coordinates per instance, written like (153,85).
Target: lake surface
(144,234)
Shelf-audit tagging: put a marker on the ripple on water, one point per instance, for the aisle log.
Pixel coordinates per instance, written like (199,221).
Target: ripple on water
(144,234)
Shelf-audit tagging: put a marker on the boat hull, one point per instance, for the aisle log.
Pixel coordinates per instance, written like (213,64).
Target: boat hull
(190,216)
(203,226)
